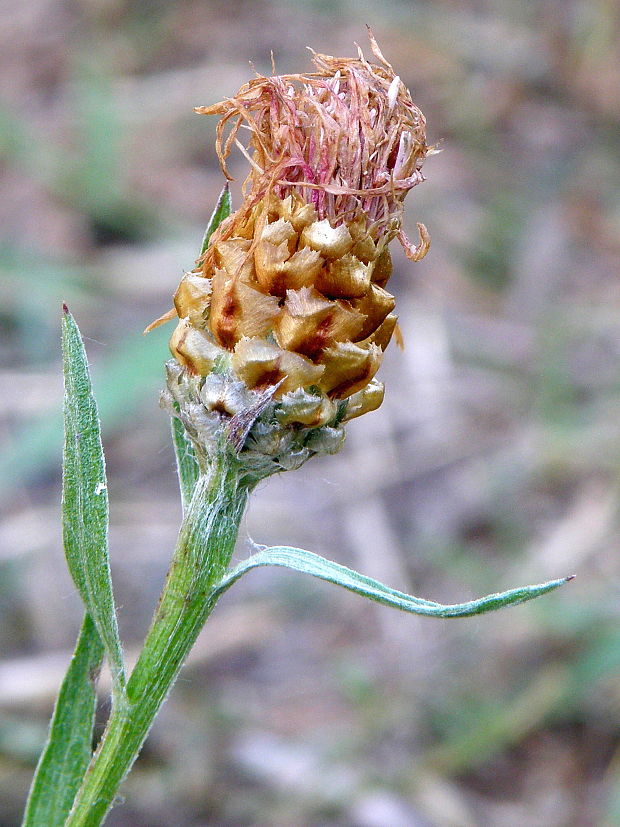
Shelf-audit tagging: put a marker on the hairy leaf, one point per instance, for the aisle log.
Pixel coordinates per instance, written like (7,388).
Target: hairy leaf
(69,745)
(85,498)
(308,563)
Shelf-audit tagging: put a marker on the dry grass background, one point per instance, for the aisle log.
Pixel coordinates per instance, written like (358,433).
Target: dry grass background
(493,462)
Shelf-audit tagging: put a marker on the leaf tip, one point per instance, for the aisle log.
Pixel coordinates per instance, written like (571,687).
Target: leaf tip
(569,578)
(65,309)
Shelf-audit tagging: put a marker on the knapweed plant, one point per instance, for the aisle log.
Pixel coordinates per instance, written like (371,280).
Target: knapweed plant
(281,329)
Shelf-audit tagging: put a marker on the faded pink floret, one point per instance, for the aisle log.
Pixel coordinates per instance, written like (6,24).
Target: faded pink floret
(346,138)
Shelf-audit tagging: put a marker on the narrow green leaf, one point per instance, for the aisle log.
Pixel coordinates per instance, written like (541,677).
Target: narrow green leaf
(68,749)
(308,563)
(187,464)
(85,498)
(222,210)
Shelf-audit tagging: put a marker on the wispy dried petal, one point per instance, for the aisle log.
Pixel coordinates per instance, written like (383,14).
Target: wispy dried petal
(346,138)
(291,290)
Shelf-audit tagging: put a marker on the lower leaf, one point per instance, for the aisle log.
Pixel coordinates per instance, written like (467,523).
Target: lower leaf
(68,750)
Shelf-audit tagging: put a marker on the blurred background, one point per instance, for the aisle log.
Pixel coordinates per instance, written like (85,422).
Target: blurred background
(494,461)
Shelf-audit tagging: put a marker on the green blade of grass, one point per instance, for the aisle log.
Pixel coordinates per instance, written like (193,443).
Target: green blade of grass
(85,499)
(68,749)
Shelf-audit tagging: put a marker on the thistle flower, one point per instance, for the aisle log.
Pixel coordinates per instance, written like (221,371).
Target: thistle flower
(290,295)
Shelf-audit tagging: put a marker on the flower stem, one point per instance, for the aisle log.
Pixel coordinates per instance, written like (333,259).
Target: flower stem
(204,548)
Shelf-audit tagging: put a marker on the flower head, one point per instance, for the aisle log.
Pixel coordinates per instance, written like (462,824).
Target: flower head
(292,287)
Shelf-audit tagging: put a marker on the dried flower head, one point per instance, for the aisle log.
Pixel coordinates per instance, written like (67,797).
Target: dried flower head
(292,287)
(346,140)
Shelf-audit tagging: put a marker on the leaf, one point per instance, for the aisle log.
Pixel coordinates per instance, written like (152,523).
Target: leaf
(68,749)
(308,563)
(222,210)
(187,464)
(85,499)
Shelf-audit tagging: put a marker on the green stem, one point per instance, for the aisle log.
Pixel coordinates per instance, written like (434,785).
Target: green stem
(204,548)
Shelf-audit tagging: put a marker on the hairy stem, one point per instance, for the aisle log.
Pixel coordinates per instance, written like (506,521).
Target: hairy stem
(204,548)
